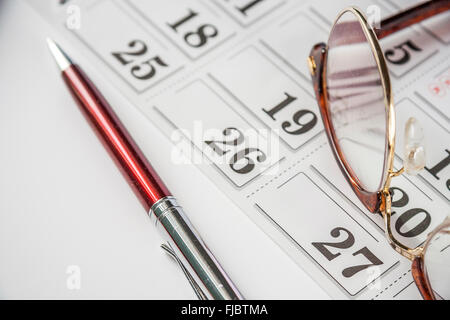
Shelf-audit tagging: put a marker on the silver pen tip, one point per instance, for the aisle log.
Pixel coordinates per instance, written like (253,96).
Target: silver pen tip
(61,58)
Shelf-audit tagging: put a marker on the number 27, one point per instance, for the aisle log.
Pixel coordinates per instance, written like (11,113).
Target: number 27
(345,244)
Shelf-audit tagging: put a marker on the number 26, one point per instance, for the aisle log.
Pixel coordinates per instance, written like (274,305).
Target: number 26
(241,162)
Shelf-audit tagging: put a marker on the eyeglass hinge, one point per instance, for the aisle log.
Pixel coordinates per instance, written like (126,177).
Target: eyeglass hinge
(312,65)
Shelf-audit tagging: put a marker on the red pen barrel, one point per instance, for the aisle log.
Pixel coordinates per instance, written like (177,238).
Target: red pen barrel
(181,240)
(134,166)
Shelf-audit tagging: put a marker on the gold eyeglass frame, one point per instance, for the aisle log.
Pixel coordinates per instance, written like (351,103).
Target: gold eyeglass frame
(389,173)
(379,201)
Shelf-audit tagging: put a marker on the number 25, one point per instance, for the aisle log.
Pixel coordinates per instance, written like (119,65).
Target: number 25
(144,70)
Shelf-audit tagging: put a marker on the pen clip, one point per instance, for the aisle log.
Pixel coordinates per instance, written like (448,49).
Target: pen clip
(197,289)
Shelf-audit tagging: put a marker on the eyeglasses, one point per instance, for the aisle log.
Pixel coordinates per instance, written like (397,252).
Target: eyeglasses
(353,90)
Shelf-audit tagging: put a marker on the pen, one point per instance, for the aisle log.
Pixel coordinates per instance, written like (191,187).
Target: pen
(183,242)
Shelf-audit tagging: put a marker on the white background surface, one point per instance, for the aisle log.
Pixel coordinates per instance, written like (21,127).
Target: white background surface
(63,202)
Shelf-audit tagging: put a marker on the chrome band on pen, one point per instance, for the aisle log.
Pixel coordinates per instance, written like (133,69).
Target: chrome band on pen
(183,242)
(188,247)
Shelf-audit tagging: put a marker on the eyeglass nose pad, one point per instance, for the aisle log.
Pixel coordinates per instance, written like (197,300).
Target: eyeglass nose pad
(414,147)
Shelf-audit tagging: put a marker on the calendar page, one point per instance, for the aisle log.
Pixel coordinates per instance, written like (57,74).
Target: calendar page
(227,81)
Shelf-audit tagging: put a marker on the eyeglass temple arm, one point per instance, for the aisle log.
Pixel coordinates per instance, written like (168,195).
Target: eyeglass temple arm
(420,278)
(411,16)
